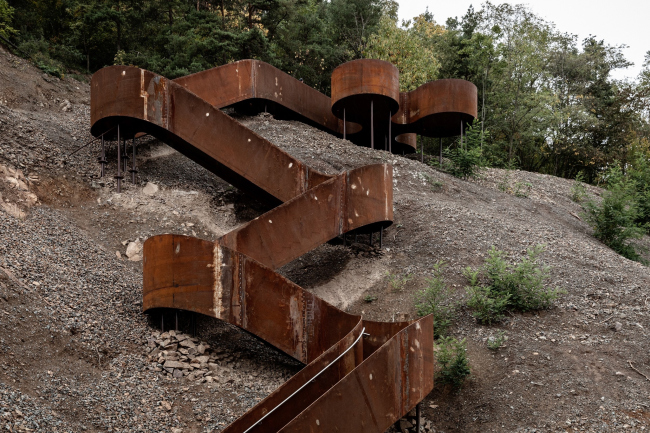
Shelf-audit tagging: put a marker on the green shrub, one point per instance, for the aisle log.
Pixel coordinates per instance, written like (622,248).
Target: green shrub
(433,299)
(463,163)
(495,342)
(370,298)
(519,287)
(614,219)
(38,51)
(465,160)
(522,189)
(397,281)
(487,305)
(578,190)
(453,365)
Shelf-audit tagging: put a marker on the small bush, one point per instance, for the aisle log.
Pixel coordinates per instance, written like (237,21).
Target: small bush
(487,305)
(519,287)
(614,219)
(522,189)
(578,190)
(465,160)
(433,299)
(370,298)
(495,342)
(433,183)
(464,163)
(453,365)
(504,185)
(396,281)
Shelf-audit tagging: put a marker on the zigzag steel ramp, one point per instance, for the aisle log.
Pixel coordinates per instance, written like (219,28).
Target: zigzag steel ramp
(360,376)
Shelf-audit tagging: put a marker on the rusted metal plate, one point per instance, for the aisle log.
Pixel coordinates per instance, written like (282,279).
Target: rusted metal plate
(358,199)
(142,101)
(437,108)
(245,80)
(353,381)
(388,384)
(356,83)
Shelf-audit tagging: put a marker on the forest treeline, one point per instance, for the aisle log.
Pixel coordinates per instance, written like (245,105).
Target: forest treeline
(547,102)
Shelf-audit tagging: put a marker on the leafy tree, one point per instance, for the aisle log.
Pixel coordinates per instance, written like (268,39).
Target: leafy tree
(6,17)
(406,47)
(353,21)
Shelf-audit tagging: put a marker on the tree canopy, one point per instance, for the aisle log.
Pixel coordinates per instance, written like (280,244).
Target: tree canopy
(549,101)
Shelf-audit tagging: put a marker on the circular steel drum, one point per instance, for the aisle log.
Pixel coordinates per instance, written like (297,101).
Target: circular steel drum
(356,83)
(437,108)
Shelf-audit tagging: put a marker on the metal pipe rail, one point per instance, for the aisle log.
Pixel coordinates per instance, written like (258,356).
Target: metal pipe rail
(351,382)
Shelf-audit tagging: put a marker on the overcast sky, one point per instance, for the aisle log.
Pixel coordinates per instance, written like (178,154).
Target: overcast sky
(618,22)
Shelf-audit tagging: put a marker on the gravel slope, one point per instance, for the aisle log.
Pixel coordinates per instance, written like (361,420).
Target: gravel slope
(80,355)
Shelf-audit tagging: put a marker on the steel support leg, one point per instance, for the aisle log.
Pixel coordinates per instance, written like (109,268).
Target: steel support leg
(102,158)
(372,125)
(422,149)
(461,134)
(133,170)
(125,155)
(119,161)
(390,135)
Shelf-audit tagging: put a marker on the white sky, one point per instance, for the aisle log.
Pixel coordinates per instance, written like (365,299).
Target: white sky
(618,22)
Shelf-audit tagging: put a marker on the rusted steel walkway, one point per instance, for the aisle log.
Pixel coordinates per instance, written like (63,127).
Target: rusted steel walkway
(366,105)
(360,376)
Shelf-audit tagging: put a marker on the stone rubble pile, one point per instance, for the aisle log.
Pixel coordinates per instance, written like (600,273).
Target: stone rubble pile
(408,423)
(180,355)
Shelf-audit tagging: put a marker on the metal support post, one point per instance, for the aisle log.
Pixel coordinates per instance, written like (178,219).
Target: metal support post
(162,321)
(390,135)
(125,154)
(372,125)
(134,169)
(176,316)
(344,131)
(422,149)
(461,134)
(102,158)
(119,176)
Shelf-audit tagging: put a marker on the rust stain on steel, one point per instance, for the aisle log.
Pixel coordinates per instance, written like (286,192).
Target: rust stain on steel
(352,381)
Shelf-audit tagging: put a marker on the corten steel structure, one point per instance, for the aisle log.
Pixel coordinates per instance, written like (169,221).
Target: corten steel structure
(360,376)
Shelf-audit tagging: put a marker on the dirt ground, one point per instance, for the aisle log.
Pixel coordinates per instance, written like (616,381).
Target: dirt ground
(77,353)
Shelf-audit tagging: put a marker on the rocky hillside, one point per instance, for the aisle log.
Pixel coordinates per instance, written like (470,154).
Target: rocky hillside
(77,353)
